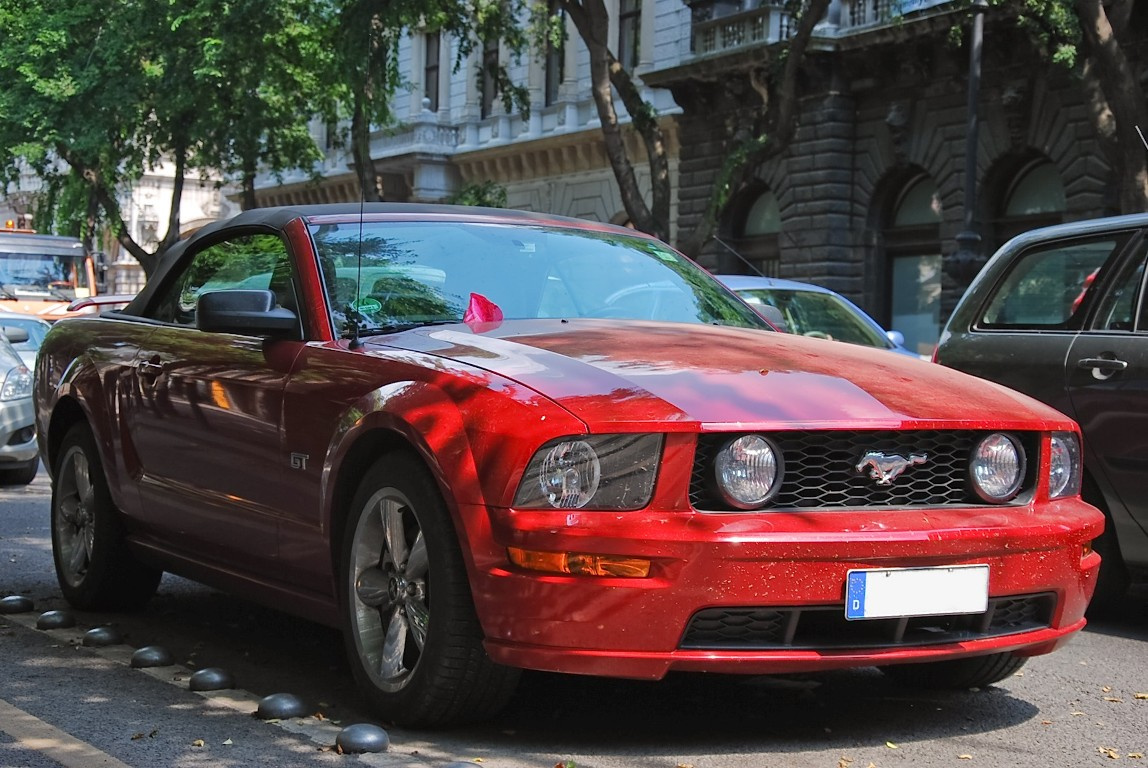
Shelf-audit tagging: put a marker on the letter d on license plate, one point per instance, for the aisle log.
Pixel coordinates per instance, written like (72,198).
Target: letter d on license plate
(883,593)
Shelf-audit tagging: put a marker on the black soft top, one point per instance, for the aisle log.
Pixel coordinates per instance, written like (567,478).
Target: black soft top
(277,218)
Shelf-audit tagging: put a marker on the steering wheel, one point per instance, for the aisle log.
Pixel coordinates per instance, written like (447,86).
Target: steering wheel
(818,335)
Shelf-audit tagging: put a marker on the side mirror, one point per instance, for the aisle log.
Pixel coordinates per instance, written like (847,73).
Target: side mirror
(896,337)
(14,334)
(247,313)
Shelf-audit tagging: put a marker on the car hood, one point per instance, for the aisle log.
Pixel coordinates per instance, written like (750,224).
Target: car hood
(604,372)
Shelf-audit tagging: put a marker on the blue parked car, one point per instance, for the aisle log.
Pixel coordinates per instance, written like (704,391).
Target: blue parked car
(811,310)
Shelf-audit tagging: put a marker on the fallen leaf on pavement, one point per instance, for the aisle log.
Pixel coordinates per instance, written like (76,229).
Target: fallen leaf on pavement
(1109,752)
(1142,695)
(229,741)
(1136,755)
(964,757)
(197,743)
(844,762)
(1114,700)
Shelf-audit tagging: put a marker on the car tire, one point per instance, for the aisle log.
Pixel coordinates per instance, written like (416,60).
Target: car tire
(20,475)
(957,674)
(412,636)
(94,567)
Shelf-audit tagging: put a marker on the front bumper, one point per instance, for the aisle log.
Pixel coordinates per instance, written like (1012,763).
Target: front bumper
(782,563)
(17,434)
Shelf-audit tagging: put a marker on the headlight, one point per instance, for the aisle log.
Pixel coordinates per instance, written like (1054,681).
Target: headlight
(594,471)
(997,468)
(747,470)
(17,384)
(1064,467)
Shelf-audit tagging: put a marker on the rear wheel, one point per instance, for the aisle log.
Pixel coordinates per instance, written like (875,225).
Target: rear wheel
(94,567)
(975,672)
(21,474)
(412,636)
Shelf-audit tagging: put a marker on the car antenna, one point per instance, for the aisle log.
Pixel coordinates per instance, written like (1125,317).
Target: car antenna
(353,311)
(1142,139)
(741,258)
(354,315)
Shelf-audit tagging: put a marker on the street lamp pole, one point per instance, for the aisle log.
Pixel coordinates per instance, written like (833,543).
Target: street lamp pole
(968,241)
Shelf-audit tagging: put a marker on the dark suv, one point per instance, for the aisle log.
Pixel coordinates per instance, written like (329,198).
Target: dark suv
(1061,313)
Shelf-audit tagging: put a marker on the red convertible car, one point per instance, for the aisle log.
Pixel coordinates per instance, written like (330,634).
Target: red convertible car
(483,441)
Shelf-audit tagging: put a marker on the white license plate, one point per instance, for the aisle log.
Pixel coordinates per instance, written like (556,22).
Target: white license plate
(883,593)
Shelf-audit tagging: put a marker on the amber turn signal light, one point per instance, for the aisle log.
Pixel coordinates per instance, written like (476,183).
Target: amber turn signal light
(579,564)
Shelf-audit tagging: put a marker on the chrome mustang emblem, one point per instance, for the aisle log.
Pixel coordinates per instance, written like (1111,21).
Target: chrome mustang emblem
(885,468)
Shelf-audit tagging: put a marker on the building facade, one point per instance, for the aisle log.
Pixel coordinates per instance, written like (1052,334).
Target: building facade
(869,197)
(452,129)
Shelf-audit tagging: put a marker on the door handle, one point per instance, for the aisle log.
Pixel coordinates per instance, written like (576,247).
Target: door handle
(1102,367)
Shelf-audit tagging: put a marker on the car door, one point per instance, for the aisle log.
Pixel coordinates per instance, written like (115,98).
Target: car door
(1021,335)
(1107,374)
(207,425)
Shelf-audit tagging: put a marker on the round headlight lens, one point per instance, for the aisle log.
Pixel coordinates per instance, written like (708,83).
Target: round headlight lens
(997,468)
(1064,467)
(570,474)
(747,470)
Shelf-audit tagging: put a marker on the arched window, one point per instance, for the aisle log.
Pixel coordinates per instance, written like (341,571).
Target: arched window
(1033,197)
(913,250)
(750,231)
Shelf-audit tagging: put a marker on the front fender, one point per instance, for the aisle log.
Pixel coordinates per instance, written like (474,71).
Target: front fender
(79,377)
(475,439)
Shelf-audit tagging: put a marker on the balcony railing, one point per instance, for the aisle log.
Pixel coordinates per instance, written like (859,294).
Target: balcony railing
(723,26)
(726,26)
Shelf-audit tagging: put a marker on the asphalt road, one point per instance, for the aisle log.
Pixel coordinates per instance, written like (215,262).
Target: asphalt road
(66,704)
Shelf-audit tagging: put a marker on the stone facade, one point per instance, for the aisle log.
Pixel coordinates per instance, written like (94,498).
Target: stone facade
(881,111)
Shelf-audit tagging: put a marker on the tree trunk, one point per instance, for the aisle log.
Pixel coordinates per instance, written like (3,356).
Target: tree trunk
(1115,79)
(591,19)
(361,152)
(773,133)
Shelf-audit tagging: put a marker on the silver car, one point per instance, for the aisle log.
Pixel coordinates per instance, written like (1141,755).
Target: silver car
(19,459)
(36,328)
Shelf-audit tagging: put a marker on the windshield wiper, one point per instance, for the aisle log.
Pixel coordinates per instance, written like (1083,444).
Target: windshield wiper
(397,327)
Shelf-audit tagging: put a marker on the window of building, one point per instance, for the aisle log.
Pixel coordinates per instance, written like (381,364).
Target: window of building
(1033,197)
(555,55)
(433,41)
(913,248)
(489,76)
(629,32)
(751,234)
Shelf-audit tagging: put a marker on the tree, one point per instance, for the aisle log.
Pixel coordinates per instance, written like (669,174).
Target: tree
(364,77)
(1095,38)
(774,119)
(203,85)
(259,81)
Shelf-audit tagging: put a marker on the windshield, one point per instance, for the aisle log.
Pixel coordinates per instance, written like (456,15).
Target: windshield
(824,315)
(28,275)
(37,330)
(430,272)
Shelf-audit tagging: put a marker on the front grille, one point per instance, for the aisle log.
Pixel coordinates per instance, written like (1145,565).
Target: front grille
(824,627)
(820,469)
